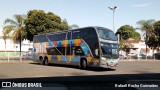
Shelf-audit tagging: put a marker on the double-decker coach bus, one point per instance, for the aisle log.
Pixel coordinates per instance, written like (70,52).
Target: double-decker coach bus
(89,46)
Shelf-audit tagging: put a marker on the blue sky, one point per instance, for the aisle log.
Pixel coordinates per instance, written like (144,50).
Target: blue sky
(86,12)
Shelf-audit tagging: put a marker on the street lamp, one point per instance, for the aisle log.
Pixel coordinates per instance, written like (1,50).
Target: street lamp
(113,8)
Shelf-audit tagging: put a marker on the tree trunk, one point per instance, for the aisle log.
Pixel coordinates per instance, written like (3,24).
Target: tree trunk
(146,44)
(5,47)
(20,45)
(153,56)
(146,51)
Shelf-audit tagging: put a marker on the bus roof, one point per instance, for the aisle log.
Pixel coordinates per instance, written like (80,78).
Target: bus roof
(95,27)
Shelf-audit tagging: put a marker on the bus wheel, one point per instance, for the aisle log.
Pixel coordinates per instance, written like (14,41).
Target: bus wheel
(83,64)
(41,61)
(46,61)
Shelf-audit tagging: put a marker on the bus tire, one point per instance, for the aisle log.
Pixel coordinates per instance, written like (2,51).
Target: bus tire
(41,61)
(46,61)
(83,64)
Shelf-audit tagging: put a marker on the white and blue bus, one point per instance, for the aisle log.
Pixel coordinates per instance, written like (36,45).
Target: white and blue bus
(86,47)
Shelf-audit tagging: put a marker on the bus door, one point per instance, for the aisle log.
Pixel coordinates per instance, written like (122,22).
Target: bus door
(68,48)
(76,50)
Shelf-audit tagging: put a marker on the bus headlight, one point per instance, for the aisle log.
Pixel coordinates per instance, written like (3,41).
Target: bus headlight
(103,59)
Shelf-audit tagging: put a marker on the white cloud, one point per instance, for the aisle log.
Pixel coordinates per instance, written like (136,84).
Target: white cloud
(142,5)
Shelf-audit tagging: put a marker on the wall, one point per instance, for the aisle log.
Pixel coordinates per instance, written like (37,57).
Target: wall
(10,46)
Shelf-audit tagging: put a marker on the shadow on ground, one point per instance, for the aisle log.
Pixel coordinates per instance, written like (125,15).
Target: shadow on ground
(77,67)
(92,82)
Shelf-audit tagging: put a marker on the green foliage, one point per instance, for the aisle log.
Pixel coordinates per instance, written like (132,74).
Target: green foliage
(17,26)
(39,22)
(136,35)
(14,29)
(157,27)
(154,39)
(65,24)
(146,25)
(127,32)
(123,45)
(151,35)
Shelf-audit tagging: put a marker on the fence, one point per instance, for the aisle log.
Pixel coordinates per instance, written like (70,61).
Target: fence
(10,56)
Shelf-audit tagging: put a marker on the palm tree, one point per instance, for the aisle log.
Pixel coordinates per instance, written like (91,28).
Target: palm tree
(15,28)
(6,34)
(146,26)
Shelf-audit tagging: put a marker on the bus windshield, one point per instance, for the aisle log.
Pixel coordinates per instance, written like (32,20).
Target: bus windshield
(107,34)
(109,50)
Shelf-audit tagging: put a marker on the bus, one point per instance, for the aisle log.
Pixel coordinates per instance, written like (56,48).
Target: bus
(86,47)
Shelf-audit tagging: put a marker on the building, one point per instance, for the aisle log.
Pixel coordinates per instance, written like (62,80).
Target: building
(139,47)
(11,47)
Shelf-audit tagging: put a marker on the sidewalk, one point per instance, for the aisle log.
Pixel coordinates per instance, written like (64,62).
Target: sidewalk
(16,61)
(152,60)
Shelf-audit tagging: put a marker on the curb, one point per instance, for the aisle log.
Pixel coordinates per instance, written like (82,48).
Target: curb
(16,61)
(139,60)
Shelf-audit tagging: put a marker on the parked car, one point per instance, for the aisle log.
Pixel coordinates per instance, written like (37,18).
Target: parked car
(139,56)
(122,57)
(148,55)
(132,54)
(157,56)
(24,53)
(27,55)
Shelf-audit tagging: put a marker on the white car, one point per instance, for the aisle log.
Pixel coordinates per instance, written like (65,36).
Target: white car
(27,55)
(122,56)
(132,54)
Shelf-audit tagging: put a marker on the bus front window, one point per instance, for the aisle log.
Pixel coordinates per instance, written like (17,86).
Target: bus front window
(106,34)
(109,50)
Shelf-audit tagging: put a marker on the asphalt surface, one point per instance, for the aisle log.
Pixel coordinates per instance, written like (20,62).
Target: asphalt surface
(135,72)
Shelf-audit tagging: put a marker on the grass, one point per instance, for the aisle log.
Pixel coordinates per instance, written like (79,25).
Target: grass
(9,53)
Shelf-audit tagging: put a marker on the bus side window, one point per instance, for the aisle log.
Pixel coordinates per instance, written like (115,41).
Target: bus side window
(69,36)
(63,36)
(58,37)
(76,35)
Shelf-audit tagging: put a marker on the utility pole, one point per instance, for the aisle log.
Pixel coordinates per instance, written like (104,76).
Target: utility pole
(113,9)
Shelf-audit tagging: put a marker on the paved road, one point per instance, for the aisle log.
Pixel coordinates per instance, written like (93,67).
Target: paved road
(25,70)
(126,72)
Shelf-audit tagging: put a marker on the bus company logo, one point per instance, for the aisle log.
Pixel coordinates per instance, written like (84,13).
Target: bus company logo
(6,84)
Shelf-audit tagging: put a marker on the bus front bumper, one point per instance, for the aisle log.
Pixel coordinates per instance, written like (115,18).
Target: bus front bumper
(109,63)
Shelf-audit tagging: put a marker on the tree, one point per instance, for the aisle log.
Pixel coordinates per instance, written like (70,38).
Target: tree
(154,39)
(65,24)
(127,32)
(146,26)
(123,45)
(73,26)
(15,27)
(6,33)
(4,38)
(39,22)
